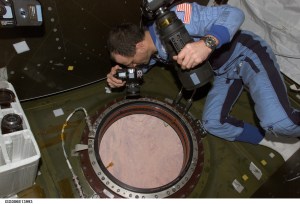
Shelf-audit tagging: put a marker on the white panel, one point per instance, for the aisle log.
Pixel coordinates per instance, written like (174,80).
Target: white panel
(276,21)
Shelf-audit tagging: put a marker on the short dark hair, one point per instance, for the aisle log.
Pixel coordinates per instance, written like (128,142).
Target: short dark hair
(122,39)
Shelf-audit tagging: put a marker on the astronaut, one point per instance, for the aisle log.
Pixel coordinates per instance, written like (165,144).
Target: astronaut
(240,59)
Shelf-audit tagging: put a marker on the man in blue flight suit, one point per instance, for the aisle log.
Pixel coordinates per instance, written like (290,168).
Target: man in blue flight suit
(239,59)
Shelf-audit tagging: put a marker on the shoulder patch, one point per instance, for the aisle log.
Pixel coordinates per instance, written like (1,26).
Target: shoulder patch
(187,10)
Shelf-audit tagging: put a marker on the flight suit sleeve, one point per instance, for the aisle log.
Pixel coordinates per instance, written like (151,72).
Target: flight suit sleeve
(220,21)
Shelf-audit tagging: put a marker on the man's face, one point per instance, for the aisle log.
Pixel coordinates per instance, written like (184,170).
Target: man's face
(140,58)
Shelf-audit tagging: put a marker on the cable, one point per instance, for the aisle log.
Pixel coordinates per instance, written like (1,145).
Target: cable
(75,177)
(63,91)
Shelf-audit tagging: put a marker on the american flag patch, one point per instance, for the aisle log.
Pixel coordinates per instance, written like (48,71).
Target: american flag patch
(187,9)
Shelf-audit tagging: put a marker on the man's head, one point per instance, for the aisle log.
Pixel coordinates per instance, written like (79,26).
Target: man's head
(128,45)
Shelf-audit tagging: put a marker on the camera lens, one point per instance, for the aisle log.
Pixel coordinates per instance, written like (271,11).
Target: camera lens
(11,123)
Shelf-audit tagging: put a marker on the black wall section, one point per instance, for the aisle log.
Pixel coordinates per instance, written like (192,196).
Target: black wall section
(68,50)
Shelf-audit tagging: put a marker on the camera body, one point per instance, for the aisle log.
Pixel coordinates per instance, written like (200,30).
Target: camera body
(15,13)
(150,7)
(174,37)
(133,78)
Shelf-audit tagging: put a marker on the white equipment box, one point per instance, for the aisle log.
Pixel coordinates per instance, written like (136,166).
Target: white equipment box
(19,152)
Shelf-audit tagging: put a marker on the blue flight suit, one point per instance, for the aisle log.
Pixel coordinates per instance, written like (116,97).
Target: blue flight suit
(242,59)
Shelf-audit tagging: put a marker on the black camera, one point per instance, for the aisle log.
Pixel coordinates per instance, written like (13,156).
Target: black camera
(150,7)
(174,36)
(133,78)
(15,13)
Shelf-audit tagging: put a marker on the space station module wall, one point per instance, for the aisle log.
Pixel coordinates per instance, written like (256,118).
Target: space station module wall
(278,23)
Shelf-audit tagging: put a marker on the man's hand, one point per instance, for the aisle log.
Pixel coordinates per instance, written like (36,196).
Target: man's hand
(112,81)
(192,54)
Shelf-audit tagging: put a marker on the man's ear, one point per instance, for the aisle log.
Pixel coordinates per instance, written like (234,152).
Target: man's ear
(140,46)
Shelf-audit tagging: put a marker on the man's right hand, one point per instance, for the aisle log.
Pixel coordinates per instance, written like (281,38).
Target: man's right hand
(112,81)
